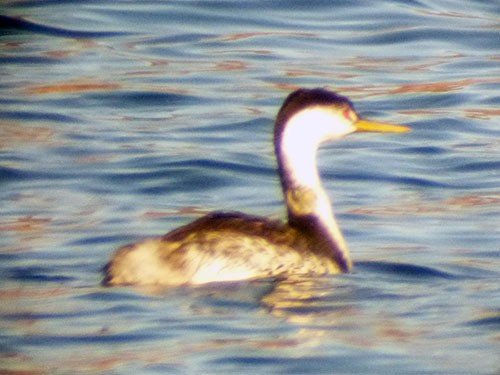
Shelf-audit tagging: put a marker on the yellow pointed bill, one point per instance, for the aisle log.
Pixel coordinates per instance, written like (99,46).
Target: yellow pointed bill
(363,125)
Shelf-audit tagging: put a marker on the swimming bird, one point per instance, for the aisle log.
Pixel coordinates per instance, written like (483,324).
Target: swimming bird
(231,246)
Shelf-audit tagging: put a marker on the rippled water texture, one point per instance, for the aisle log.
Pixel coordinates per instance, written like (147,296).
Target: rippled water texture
(122,120)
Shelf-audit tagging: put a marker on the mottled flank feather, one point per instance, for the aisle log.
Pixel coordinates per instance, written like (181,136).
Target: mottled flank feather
(218,247)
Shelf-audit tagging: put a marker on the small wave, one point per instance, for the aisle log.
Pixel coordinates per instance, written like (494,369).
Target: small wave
(425,150)
(140,99)
(490,320)
(488,165)
(38,274)
(12,23)
(405,270)
(412,181)
(218,165)
(9,174)
(37,116)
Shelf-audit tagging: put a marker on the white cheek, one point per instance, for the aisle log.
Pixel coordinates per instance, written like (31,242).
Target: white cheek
(302,136)
(314,125)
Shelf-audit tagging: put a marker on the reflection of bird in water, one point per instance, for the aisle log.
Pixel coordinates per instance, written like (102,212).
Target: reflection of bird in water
(234,246)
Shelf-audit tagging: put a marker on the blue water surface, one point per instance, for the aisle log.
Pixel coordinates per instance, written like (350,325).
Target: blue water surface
(123,120)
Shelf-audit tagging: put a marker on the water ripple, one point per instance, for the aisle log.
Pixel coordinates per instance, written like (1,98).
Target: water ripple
(407,271)
(12,23)
(37,116)
(492,321)
(138,99)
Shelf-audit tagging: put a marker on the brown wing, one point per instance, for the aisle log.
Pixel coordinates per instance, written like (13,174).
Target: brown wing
(241,224)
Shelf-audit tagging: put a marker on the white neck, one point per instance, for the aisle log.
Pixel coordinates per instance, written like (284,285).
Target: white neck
(299,147)
(300,141)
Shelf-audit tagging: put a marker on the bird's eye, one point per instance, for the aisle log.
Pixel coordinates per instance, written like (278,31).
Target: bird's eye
(349,115)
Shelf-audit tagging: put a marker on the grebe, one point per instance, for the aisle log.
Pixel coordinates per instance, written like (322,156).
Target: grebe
(233,246)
